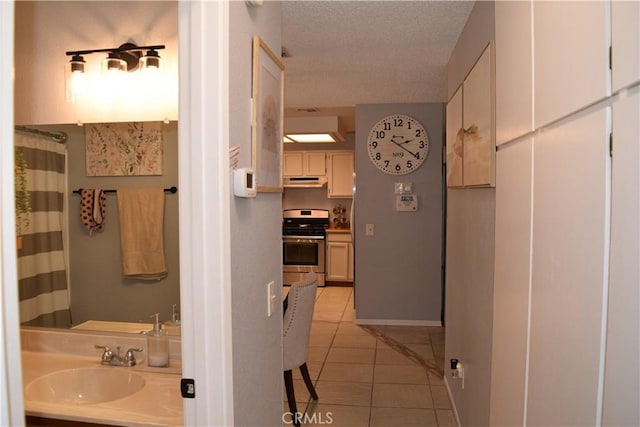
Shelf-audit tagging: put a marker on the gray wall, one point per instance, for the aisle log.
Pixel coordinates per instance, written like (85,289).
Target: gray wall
(98,290)
(256,248)
(398,270)
(470,252)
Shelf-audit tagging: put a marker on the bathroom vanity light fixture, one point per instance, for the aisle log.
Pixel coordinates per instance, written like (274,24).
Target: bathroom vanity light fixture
(127,57)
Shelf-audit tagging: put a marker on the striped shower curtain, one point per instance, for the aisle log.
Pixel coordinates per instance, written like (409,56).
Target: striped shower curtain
(42,277)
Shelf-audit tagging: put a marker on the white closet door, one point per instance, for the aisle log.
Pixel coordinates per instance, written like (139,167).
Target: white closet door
(622,389)
(625,42)
(514,78)
(571,53)
(511,287)
(570,236)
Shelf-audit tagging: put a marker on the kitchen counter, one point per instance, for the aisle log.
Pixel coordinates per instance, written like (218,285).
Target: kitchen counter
(158,403)
(339,230)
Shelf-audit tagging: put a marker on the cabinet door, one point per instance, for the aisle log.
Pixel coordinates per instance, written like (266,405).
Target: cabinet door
(478,145)
(292,163)
(314,163)
(340,171)
(338,261)
(454,140)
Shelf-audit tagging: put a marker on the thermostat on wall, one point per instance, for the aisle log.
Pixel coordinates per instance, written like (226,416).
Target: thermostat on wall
(407,203)
(244,182)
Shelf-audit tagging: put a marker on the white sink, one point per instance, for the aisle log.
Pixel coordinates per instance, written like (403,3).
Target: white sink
(84,385)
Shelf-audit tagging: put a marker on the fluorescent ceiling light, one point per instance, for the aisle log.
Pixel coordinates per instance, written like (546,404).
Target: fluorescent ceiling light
(320,129)
(287,140)
(310,137)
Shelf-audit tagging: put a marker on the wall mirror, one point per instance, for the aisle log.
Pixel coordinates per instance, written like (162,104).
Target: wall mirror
(97,290)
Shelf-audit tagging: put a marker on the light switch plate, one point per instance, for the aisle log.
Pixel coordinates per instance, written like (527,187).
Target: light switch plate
(271,295)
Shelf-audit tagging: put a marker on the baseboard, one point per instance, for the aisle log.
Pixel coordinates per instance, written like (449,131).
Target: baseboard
(453,402)
(394,322)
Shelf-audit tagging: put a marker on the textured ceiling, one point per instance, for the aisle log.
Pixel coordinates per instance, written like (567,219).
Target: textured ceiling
(344,53)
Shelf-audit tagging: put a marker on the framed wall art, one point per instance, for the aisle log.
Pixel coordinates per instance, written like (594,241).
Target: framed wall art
(267,121)
(123,149)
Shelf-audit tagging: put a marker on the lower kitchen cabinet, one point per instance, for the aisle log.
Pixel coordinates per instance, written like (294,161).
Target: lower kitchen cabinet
(339,257)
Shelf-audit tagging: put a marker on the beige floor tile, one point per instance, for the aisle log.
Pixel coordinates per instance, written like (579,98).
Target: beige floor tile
(354,341)
(351,355)
(446,418)
(351,372)
(405,417)
(328,316)
(348,315)
(385,355)
(350,328)
(409,334)
(337,415)
(324,327)
(401,396)
(435,379)
(317,354)
(320,339)
(425,351)
(440,397)
(344,393)
(400,374)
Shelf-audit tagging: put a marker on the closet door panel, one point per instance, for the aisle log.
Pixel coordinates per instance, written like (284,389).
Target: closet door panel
(568,271)
(571,53)
(513,70)
(511,286)
(621,386)
(625,42)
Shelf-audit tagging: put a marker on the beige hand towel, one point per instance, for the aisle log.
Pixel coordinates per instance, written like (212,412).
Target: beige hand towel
(141,213)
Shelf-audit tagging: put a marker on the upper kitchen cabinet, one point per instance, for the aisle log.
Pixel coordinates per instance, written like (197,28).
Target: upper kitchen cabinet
(470,128)
(513,70)
(45,31)
(340,165)
(304,163)
(568,76)
(625,43)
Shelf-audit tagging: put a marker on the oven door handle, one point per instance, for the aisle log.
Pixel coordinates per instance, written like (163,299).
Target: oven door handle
(298,238)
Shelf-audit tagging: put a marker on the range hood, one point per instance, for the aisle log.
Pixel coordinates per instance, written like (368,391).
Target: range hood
(304,181)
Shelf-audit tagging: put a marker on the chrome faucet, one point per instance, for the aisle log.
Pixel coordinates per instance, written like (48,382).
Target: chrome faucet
(114,359)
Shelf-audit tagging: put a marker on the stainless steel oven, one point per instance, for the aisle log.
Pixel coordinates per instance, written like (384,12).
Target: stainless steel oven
(303,244)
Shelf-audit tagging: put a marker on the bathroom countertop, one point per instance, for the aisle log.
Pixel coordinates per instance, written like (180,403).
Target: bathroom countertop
(158,403)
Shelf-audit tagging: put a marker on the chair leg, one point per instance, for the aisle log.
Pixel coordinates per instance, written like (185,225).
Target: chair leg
(291,396)
(307,380)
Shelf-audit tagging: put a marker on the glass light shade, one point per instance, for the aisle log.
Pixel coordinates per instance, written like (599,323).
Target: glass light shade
(113,63)
(76,82)
(151,60)
(311,137)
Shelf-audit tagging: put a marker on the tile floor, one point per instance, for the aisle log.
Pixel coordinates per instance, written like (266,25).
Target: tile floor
(374,376)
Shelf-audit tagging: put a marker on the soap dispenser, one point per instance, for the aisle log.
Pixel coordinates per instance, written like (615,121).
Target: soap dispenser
(173,327)
(157,345)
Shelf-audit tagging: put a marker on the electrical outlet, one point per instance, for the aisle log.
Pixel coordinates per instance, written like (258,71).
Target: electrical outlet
(271,295)
(369,230)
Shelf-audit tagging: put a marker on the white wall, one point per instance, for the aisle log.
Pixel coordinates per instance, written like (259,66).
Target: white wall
(566,294)
(470,253)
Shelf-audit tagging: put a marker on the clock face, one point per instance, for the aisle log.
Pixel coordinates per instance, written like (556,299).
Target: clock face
(398,144)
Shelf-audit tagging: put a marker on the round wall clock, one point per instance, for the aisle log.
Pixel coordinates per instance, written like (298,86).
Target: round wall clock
(398,144)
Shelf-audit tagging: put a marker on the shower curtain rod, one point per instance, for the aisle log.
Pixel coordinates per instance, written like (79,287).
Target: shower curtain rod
(60,137)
